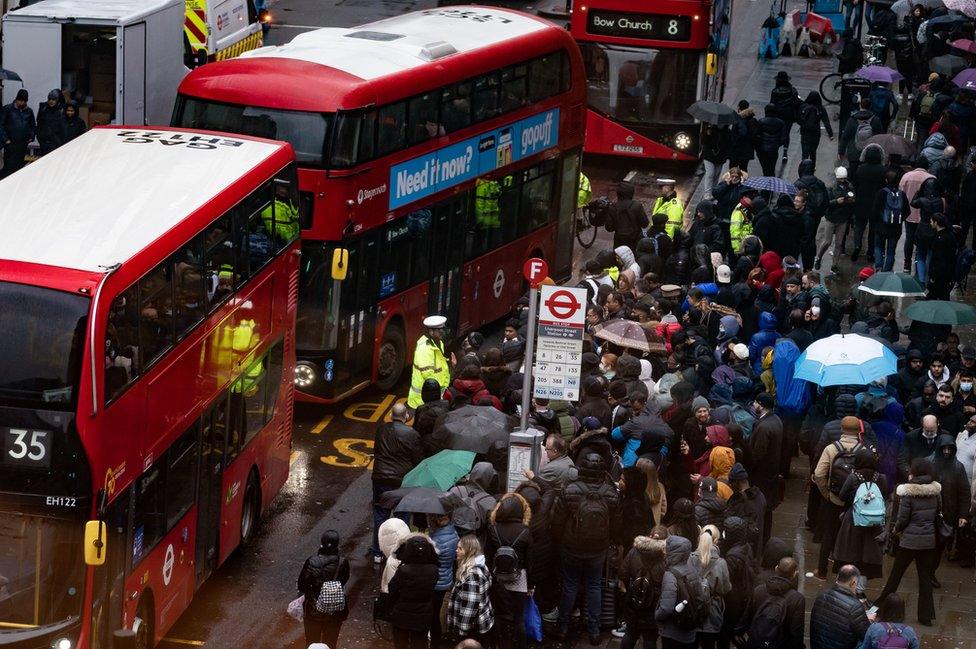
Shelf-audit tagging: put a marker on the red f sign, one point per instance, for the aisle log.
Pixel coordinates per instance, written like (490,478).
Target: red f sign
(535,270)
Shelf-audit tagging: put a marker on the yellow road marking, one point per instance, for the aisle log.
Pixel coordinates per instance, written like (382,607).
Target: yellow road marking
(195,643)
(294,457)
(319,427)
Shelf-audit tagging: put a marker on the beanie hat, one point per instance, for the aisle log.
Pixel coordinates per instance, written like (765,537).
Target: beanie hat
(699,402)
(738,472)
(591,423)
(21,95)
(54,94)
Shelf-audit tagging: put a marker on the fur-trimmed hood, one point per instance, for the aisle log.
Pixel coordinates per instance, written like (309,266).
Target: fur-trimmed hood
(585,435)
(647,544)
(915,490)
(506,510)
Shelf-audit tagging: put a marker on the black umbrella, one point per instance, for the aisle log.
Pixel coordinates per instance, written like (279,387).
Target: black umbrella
(947,64)
(712,112)
(893,144)
(472,428)
(9,75)
(414,500)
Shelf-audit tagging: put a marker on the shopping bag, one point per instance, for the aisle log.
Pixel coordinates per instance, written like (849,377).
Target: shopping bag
(296,609)
(533,621)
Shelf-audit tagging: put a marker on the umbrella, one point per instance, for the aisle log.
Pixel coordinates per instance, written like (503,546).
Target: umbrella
(966,79)
(770,184)
(893,144)
(892,284)
(415,500)
(712,112)
(879,73)
(965,45)
(845,359)
(472,428)
(967,7)
(9,75)
(904,7)
(941,312)
(440,471)
(629,334)
(947,64)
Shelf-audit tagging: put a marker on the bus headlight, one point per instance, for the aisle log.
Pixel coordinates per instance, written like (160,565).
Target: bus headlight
(63,643)
(305,375)
(682,140)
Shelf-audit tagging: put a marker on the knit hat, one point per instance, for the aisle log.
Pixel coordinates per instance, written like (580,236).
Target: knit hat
(765,400)
(851,425)
(591,423)
(792,280)
(865,273)
(741,351)
(21,95)
(738,472)
(700,402)
(618,390)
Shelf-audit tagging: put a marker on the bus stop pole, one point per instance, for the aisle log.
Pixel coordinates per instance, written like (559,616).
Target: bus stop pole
(529,357)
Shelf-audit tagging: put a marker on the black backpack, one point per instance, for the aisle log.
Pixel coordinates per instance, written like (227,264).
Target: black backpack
(810,118)
(841,467)
(507,565)
(695,591)
(591,523)
(765,631)
(642,595)
(891,211)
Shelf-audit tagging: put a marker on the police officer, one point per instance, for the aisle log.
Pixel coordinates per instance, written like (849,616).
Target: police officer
(429,360)
(281,217)
(668,204)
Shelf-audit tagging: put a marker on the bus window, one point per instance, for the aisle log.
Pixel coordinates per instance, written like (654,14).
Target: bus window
(514,93)
(155,313)
(253,385)
(545,74)
(149,519)
(191,297)
(422,118)
(536,197)
(486,96)
(392,128)
(122,343)
(219,260)
(344,146)
(566,78)
(367,136)
(456,106)
(274,365)
(285,209)
(418,225)
(508,202)
(316,328)
(181,476)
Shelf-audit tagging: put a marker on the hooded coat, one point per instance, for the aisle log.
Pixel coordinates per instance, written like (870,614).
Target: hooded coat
(772,265)
(412,587)
(890,437)
(649,258)
(817,190)
(951,474)
(678,551)
(593,481)
(508,524)
(716,575)
(541,561)
(765,337)
(773,585)
(869,178)
(854,544)
(626,217)
(847,141)
(632,567)
(790,228)
(706,230)
(917,505)
(636,517)
(742,573)
(749,506)
(629,262)
(480,486)
(934,145)
(710,508)
(391,533)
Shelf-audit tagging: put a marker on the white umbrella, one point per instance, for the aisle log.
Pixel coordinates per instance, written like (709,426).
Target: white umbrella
(845,359)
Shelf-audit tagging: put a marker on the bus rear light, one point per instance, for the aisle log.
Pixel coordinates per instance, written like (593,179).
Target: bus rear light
(63,643)
(305,375)
(682,141)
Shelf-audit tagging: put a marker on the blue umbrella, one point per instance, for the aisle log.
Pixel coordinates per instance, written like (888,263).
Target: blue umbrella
(879,73)
(770,184)
(845,359)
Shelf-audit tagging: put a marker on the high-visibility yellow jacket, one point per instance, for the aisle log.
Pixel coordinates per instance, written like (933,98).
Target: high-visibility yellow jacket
(429,362)
(281,218)
(585,191)
(486,193)
(740,227)
(675,212)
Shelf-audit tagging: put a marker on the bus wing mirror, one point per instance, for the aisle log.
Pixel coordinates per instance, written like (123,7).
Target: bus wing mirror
(340,264)
(95,541)
(711,64)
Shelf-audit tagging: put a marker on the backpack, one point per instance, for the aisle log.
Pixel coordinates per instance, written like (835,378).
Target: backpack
(925,105)
(841,467)
(893,638)
(592,289)
(642,595)
(741,416)
(810,118)
(331,597)
(869,505)
(507,565)
(862,134)
(591,523)
(891,213)
(765,631)
(696,592)
(468,517)
(879,101)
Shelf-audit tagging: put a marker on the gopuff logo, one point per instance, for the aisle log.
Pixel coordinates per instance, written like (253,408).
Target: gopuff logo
(367,194)
(533,136)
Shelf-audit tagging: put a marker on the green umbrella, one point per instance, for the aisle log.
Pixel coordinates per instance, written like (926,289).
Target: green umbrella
(942,312)
(440,471)
(892,285)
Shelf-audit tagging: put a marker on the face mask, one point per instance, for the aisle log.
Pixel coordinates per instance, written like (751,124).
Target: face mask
(966,387)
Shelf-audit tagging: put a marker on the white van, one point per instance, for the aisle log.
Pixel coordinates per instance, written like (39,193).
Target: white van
(215,30)
(121,59)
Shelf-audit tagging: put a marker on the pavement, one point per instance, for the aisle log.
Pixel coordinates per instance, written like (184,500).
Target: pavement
(243,603)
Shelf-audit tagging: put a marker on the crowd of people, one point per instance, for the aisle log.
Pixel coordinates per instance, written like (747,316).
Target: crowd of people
(56,122)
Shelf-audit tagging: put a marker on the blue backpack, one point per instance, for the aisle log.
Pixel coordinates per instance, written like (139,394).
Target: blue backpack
(879,101)
(869,505)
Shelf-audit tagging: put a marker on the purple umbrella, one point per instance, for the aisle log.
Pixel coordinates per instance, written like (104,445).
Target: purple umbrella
(879,73)
(966,79)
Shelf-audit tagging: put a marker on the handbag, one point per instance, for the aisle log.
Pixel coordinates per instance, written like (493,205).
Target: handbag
(533,621)
(445,606)
(381,608)
(943,531)
(331,597)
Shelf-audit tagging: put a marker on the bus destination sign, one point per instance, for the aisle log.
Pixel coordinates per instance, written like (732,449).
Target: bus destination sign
(654,27)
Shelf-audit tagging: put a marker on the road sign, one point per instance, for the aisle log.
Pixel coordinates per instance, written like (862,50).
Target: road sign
(559,347)
(535,270)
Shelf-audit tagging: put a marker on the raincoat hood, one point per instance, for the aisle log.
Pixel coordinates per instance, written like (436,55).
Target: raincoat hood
(770,261)
(941,442)
(930,188)
(626,255)
(628,367)
(417,548)
(873,154)
(813,98)
(678,550)
(807,167)
(707,209)
(776,549)
(736,532)
(717,435)
(625,191)
(484,475)
(767,321)
(729,327)
(751,246)
(644,246)
(391,532)
(778,586)
(894,413)
(431,390)
(722,459)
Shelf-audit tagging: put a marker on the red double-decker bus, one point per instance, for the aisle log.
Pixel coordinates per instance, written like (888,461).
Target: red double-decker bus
(440,148)
(646,63)
(148,290)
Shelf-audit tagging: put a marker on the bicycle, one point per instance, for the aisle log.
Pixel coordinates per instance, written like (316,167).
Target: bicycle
(589,218)
(832,84)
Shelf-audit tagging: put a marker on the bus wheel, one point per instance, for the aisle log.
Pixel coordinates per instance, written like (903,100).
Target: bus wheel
(393,354)
(143,624)
(250,510)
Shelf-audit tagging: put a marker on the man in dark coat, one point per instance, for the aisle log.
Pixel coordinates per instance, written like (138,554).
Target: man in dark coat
(942,268)
(17,129)
(956,487)
(748,503)
(838,619)
(771,136)
(817,201)
(626,218)
(782,583)
(51,125)
(745,130)
(920,443)
(705,229)
(787,102)
(946,410)
(869,178)
(763,455)
(397,448)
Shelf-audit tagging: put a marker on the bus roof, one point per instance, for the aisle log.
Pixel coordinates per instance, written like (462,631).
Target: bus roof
(354,67)
(117,11)
(109,194)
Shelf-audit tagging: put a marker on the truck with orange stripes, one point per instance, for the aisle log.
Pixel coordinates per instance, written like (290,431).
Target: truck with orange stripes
(215,30)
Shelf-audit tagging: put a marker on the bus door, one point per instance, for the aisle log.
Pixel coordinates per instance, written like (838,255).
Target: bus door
(213,439)
(447,255)
(357,309)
